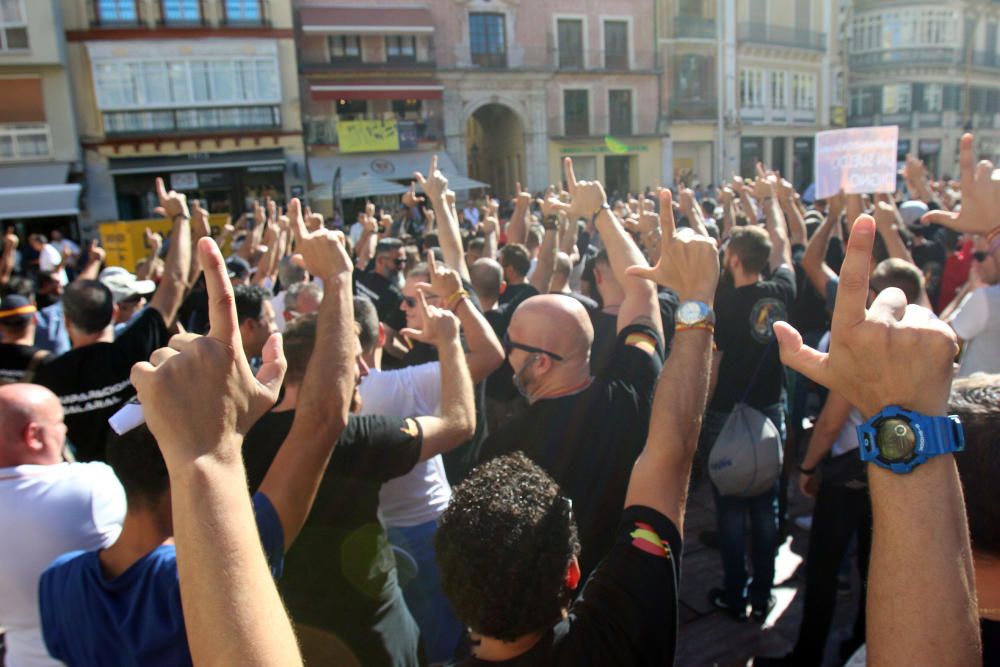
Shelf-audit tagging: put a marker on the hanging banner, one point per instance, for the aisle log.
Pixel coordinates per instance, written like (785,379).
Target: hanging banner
(367,136)
(856,160)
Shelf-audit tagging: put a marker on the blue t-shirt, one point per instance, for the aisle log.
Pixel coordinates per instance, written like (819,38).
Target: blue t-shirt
(135,619)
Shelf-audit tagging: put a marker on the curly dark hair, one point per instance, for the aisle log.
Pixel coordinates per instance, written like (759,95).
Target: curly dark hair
(976,401)
(504,545)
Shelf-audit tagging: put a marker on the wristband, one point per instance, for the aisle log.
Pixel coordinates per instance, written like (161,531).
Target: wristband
(808,471)
(701,325)
(452,301)
(994,234)
(604,207)
(550,222)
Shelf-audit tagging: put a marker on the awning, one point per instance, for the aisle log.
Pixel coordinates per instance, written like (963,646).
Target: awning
(370,186)
(325,91)
(236,159)
(40,201)
(387,166)
(366,20)
(49,173)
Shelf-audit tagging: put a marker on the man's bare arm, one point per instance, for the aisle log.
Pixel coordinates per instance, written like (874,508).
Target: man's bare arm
(814,259)
(436,187)
(170,293)
(689,265)
(541,278)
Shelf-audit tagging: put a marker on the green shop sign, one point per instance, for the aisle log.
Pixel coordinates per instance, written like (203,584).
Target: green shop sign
(610,145)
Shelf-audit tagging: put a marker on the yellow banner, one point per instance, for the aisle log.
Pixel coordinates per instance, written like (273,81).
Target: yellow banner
(125,242)
(365,136)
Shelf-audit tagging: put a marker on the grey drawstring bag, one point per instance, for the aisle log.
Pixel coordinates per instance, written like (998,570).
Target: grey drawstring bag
(746,458)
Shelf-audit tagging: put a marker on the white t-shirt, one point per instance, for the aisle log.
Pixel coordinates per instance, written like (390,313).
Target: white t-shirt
(49,259)
(422,494)
(46,511)
(64,245)
(847,441)
(977,322)
(278,304)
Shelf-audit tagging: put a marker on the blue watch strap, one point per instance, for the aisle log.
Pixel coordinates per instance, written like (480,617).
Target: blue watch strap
(935,436)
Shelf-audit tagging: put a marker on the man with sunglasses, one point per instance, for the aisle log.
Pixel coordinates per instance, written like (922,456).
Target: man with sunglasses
(585,431)
(381,281)
(977,319)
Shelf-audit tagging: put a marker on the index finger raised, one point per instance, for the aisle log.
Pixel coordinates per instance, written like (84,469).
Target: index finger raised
(966,162)
(161,190)
(852,291)
(221,301)
(667,225)
(295,214)
(431,262)
(570,175)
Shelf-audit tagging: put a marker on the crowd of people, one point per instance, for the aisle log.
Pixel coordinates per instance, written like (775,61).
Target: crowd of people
(467,436)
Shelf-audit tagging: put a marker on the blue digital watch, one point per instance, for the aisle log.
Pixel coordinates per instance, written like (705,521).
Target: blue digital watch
(900,440)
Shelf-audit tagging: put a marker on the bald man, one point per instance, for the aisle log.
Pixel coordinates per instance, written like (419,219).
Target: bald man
(585,431)
(47,507)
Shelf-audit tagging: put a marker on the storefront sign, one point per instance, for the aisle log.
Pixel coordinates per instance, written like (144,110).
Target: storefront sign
(407,134)
(124,241)
(856,160)
(603,148)
(362,136)
(183,180)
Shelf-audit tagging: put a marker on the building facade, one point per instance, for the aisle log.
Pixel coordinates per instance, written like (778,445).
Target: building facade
(203,93)
(748,81)
(39,149)
(931,68)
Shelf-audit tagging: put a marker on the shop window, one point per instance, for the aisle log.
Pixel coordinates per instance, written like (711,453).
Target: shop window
(576,112)
(13,26)
(401,48)
(345,48)
(616,45)
(488,39)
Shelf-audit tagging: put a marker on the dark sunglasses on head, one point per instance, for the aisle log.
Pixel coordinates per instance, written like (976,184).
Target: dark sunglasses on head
(980,256)
(509,345)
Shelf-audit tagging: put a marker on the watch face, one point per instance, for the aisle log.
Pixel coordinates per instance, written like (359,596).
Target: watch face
(896,440)
(689,313)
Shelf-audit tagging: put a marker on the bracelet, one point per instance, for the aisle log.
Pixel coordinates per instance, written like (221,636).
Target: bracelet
(701,325)
(452,301)
(550,222)
(808,471)
(604,207)
(993,234)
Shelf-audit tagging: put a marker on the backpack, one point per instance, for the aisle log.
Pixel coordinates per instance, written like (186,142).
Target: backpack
(746,458)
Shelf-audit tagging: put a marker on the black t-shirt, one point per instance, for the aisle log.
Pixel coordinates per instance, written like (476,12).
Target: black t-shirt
(606,331)
(808,312)
(517,293)
(92,381)
(588,441)
(15,360)
(627,612)
(931,257)
(384,294)
(340,572)
(744,333)
(990,631)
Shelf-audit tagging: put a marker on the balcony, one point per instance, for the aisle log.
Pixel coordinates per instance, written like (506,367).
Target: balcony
(917,119)
(704,109)
(774,35)
(197,120)
(985,59)
(691,27)
(25,141)
(596,60)
(323,131)
(598,126)
(356,65)
(946,57)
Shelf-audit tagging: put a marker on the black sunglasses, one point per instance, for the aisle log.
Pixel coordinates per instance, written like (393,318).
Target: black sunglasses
(980,256)
(411,301)
(509,345)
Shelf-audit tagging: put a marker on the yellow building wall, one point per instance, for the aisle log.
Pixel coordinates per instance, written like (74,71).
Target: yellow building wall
(646,168)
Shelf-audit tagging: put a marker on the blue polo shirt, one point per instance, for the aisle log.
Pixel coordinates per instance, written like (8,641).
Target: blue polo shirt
(135,619)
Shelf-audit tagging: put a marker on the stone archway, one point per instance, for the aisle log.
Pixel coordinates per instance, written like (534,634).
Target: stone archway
(495,148)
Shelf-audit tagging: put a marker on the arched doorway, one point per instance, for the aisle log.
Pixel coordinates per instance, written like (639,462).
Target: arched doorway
(494,145)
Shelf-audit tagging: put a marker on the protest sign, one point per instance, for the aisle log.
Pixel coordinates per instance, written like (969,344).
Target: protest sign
(856,160)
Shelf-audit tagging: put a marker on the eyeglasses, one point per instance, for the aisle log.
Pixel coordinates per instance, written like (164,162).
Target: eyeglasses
(509,345)
(980,256)
(411,301)
(399,261)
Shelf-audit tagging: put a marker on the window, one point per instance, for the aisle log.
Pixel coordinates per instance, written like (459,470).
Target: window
(24,140)
(620,117)
(182,11)
(862,102)
(758,12)
(616,45)
(896,98)
(124,84)
(576,112)
(488,40)
(345,47)
(778,100)
(243,11)
(803,14)
(752,88)
(804,92)
(570,43)
(407,109)
(689,9)
(13,25)
(694,78)
(401,47)
(909,28)
(352,109)
(117,11)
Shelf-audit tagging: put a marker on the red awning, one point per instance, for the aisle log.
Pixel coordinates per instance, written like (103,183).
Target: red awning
(366,20)
(371,90)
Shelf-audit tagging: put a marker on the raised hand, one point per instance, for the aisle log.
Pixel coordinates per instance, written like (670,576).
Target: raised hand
(10,239)
(95,252)
(314,221)
(980,196)
(689,262)
(199,395)
(872,351)
(440,326)
(435,185)
(428,215)
(172,204)
(320,252)
(587,197)
(445,282)
(410,198)
(199,220)
(489,225)
(551,204)
(152,239)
